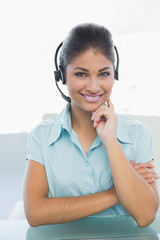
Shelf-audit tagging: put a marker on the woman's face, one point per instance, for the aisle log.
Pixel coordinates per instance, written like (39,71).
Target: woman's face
(89,79)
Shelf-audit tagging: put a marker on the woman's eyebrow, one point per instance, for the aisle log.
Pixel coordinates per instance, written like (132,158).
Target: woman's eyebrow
(83,69)
(104,69)
(80,68)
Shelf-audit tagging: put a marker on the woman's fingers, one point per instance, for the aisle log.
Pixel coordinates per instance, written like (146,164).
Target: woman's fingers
(100,114)
(151,180)
(103,113)
(105,121)
(146,175)
(146,170)
(97,120)
(132,163)
(110,108)
(143,165)
(110,105)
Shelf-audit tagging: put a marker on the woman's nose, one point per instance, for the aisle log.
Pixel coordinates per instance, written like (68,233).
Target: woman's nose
(93,85)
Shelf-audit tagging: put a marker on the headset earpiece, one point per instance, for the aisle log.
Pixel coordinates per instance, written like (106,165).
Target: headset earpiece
(57,75)
(116,76)
(62,77)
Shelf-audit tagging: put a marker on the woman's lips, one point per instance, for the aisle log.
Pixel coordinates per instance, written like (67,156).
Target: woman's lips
(92,98)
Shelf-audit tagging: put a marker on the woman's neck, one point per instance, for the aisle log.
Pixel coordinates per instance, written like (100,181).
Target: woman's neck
(81,119)
(83,126)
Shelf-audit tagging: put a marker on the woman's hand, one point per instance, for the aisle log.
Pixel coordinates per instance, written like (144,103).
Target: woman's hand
(146,170)
(105,121)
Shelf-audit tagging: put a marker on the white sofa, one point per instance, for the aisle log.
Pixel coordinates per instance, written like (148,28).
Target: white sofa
(12,166)
(18,212)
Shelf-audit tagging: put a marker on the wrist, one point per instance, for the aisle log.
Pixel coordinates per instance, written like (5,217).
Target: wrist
(109,140)
(113,195)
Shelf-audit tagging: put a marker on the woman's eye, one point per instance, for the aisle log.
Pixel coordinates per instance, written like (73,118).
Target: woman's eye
(104,74)
(80,74)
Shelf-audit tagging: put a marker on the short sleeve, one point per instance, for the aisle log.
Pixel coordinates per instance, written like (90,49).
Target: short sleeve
(144,150)
(34,146)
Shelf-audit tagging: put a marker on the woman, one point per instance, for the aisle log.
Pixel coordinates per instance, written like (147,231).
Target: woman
(88,160)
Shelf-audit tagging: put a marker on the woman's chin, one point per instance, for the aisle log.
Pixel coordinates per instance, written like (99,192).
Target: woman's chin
(87,106)
(92,107)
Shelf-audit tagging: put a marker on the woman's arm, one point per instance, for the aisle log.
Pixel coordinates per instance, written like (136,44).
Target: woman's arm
(138,197)
(40,209)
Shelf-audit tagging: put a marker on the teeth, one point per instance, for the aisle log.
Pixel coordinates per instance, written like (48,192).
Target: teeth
(92,97)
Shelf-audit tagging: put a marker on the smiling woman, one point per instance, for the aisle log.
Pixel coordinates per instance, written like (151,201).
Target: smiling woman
(91,84)
(89,160)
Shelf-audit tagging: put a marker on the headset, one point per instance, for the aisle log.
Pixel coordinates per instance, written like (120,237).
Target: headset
(59,72)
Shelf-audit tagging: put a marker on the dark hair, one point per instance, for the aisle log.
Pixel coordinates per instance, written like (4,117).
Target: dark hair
(85,36)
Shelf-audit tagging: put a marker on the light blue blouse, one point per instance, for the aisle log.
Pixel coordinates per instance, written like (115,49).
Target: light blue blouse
(55,145)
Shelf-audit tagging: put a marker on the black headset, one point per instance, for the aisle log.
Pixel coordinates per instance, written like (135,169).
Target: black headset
(59,72)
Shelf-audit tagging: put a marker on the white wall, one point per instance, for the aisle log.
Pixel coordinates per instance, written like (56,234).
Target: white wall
(30,33)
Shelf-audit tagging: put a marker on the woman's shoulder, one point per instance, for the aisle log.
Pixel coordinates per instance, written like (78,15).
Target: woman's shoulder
(51,125)
(46,123)
(133,127)
(44,127)
(53,119)
(130,121)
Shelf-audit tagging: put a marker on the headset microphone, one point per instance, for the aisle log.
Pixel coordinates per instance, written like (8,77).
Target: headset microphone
(59,72)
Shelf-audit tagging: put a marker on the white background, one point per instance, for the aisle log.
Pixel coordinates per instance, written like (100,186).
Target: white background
(30,31)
